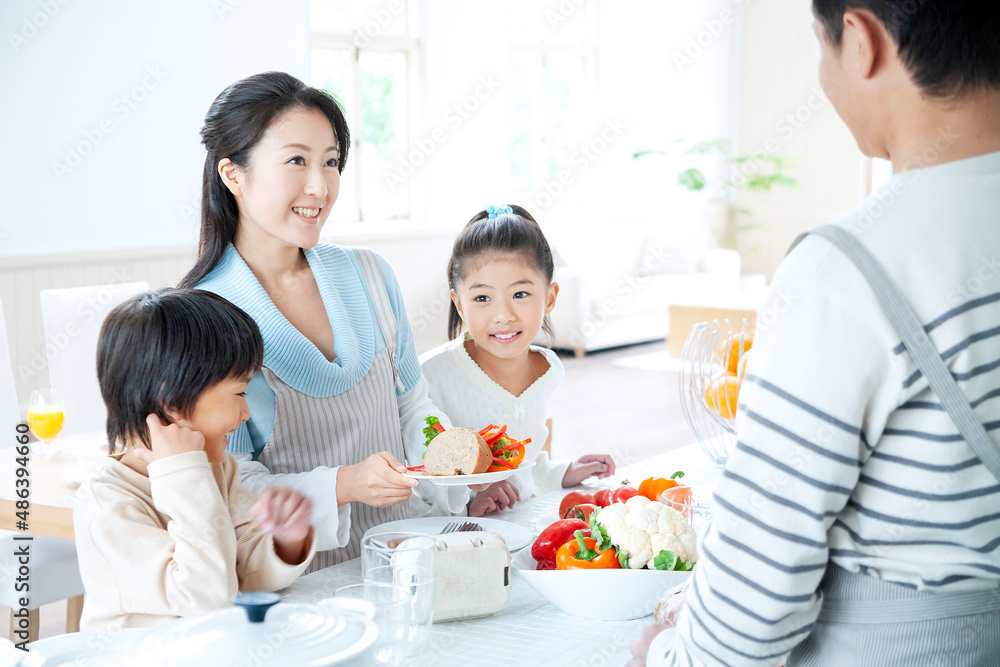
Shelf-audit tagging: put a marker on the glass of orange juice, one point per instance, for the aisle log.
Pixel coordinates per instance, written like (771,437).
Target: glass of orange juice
(45,417)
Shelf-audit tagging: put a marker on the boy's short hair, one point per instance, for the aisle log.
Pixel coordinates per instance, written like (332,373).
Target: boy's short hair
(950,47)
(161,350)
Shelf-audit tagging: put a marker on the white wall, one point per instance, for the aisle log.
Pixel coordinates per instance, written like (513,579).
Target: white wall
(103,106)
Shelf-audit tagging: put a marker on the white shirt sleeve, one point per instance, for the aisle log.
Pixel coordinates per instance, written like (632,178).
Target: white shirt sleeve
(428,499)
(333,523)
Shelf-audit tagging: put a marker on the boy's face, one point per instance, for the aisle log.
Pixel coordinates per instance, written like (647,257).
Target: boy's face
(219,411)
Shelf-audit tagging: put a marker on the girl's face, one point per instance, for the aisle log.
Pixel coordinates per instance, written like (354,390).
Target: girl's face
(503,300)
(292,183)
(218,412)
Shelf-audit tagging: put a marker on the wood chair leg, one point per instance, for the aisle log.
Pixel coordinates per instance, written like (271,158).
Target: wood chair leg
(579,353)
(33,620)
(74,608)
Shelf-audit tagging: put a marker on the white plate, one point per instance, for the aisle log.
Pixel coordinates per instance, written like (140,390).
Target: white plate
(466,480)
(516,537)
(95,647)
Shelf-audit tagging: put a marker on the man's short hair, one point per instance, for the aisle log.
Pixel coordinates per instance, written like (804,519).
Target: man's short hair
(161,350)
(950,47)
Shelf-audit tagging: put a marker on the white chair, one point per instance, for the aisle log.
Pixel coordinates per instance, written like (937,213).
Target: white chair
(72,319)
(55,573)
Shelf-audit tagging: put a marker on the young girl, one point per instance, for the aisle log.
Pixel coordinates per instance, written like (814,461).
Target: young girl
(500,275)
(164,528)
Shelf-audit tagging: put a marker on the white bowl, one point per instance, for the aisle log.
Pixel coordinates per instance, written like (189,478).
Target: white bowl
(607,595)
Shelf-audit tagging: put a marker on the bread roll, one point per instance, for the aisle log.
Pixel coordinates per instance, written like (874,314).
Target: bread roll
(457,451)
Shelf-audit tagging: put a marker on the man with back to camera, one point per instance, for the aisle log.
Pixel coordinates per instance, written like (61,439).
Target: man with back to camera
(856,524)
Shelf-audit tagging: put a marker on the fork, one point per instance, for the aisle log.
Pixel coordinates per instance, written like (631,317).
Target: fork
(451,528)
(468,527)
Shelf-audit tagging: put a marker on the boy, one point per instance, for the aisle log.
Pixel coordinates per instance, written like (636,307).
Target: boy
(850,486)
(166,529)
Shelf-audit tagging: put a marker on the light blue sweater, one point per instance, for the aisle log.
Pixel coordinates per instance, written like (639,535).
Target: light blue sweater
(293,357)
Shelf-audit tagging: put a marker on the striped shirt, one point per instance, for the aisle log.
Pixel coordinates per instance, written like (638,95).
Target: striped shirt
(843,453)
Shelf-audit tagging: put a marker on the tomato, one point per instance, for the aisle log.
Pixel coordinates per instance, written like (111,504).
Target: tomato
(601,498)
(574,498)
(622,493)
(581,511)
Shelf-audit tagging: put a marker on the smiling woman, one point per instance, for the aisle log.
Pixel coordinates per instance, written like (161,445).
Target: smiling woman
(339,404)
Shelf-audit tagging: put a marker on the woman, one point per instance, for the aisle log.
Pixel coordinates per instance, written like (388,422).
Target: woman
(340,401)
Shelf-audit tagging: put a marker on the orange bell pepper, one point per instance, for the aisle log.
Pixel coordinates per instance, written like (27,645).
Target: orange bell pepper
(653,487)
(582,554)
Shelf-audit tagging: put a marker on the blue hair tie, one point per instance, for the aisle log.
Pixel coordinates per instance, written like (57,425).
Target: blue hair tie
(494,211)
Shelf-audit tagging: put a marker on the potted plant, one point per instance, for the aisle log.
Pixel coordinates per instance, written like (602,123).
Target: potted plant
(751,173)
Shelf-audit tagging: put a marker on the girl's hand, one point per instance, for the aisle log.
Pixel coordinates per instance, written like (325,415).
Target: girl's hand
(377,481)
(284,513)
(640,647)
(496,497)
(600,465)
(168,440)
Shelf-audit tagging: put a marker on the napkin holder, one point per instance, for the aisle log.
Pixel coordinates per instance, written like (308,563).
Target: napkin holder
(472,575)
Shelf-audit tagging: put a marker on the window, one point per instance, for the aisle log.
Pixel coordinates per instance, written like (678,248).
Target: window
(365,54)
(552,76)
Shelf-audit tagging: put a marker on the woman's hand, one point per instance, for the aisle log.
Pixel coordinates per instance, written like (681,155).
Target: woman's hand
(168,440)
(640,647)
(377,481)
(496,497)
(600,465)
(284,513)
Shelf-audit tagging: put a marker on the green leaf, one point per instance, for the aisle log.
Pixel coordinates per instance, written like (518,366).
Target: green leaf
(623,559)
(707,147)
(692,179)
(598,534)
(683,566)
(429,431)
(665,560)
(639,154)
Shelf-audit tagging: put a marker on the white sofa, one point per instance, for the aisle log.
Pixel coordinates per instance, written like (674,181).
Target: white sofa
(617,291)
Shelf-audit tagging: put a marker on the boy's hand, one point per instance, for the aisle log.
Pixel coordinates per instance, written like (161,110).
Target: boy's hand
(600,465)
(284,513)
(377,481)
(168,440)
(496,497)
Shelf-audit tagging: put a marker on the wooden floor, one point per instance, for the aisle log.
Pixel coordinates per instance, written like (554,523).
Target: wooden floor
(601,407)
(627,412)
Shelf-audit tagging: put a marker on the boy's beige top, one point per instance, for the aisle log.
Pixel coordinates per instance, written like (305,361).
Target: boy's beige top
(179,542)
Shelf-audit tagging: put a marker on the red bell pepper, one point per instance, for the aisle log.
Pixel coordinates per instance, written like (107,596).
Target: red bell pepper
(558,533)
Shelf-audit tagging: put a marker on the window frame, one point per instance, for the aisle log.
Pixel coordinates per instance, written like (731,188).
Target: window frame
(410,46)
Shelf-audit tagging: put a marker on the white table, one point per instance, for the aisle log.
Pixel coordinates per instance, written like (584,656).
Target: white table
(529,631)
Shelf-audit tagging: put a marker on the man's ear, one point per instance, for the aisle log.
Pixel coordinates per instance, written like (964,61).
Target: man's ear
(232,176)
(550,300)
(458,307)
(865,43)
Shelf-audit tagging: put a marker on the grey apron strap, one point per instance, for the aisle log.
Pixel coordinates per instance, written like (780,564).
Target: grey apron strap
(383,309)
(917,342)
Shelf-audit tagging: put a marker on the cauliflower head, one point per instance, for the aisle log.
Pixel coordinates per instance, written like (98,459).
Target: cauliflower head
(643,528)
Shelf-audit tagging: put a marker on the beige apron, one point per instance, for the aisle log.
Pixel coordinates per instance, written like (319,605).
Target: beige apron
(346,428)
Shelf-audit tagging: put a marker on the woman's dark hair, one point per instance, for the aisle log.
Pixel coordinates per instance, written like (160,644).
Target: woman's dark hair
(507,233)
(949,47)
(161,350)
(235,124)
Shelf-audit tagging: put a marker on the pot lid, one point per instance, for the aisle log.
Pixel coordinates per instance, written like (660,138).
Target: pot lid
(263,633)
(11,656)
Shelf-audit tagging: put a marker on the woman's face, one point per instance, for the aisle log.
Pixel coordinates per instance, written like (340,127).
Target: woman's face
(292,181)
